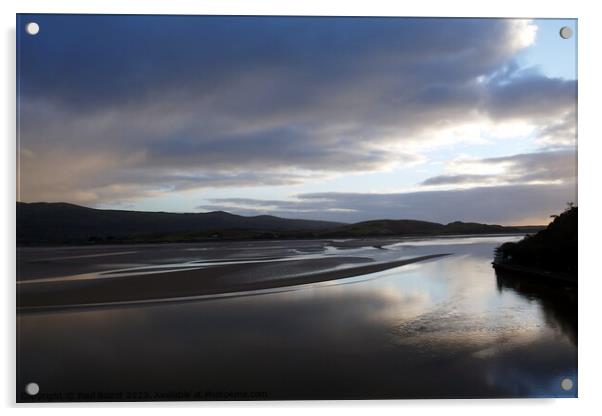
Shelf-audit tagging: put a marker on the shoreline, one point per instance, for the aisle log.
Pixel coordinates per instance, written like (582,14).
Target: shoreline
(542,275)
(159,286)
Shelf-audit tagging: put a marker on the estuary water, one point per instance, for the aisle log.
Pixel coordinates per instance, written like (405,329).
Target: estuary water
(445,327)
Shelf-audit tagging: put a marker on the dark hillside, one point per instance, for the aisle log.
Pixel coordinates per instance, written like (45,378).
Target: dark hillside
(553,249)
(68,223)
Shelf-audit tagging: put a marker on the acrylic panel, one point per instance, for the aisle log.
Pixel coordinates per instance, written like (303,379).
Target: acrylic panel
(287,207)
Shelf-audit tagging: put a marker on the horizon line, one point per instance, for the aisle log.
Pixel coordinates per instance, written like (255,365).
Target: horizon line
(271,215)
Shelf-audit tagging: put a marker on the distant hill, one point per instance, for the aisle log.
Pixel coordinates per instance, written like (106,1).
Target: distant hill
(62,223)
(387,228)
(414,227)
(552,249)
(67,223)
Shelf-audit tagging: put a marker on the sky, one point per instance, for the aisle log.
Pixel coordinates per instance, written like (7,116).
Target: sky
(342,119)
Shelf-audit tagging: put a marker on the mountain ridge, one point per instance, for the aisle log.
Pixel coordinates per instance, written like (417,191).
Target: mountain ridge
(66,223)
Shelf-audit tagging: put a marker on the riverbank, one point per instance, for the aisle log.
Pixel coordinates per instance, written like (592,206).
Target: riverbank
(537,274)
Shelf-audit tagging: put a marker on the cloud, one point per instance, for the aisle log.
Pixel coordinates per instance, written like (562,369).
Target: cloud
(461,179)
(196,53)
(559,134)
(538,167)
(154,104)
(513,92)
(510,204)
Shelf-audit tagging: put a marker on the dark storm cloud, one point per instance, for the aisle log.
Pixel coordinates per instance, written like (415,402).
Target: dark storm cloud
(522,168)
(94,61)
(502,204)
(132,106)
(514,95)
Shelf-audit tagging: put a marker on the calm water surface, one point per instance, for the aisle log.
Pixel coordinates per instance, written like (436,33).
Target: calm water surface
(443,328)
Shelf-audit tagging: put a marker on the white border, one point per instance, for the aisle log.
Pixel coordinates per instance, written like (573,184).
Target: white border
(589,188)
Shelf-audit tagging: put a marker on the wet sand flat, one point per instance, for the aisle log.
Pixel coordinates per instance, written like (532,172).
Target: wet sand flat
(217,279)
(45,262)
